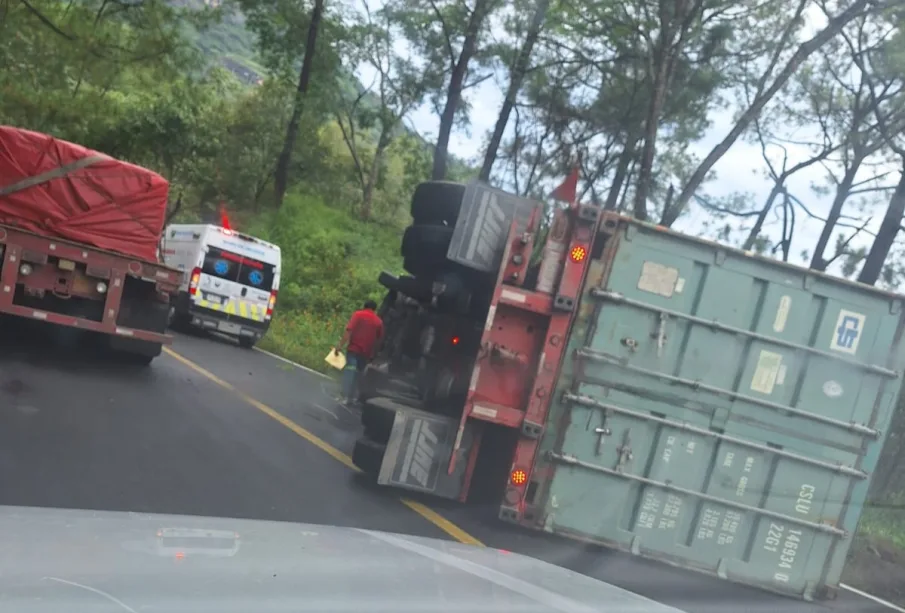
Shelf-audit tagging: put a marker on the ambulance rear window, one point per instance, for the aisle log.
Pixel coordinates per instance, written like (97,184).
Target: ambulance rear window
(239,268)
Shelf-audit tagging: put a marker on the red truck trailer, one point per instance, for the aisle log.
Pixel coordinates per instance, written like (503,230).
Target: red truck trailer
(614,382)
(79,236)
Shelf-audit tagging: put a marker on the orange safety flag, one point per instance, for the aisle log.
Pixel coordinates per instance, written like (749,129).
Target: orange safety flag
(224,218)
(568,189)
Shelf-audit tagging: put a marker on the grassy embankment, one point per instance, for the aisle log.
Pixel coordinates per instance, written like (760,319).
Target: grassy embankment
(330,266)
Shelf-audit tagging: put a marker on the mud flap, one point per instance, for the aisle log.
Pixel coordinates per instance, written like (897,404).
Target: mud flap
(417,454)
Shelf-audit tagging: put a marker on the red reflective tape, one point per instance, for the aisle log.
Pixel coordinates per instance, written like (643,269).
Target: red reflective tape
(226,255)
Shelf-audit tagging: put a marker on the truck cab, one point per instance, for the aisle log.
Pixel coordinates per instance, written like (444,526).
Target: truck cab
(444,398)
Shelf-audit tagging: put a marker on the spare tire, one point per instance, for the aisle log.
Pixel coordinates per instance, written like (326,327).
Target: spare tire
(437,202)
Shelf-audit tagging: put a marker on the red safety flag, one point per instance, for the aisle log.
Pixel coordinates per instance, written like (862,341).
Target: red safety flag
(224,218)
(568,189)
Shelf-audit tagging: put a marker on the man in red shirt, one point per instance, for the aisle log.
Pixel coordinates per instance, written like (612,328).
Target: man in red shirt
(363,332)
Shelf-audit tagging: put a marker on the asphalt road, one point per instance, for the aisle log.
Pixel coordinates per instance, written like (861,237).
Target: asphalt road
(212,429)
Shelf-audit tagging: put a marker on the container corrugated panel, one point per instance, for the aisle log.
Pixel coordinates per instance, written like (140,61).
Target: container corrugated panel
(718,410)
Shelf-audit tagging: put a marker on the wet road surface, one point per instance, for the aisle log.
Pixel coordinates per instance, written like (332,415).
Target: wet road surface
(212,429)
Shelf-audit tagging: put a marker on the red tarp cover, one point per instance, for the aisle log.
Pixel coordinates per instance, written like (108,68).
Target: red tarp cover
(110,204)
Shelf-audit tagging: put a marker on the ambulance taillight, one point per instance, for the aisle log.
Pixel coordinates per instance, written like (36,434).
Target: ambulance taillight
(194,280)
(271,303)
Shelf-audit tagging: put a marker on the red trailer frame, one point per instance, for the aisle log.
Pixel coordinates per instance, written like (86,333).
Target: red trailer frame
(523,341)
(39,264)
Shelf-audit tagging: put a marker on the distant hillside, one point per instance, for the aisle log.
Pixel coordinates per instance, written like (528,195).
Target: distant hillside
(229,44)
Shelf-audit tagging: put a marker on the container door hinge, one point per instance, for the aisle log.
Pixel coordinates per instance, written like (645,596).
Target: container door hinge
(531,430)
(625,451)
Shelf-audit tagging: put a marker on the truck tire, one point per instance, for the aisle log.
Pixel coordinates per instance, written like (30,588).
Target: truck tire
(417,266)
(141,310)
(424,249)
(180,319)
(141,355)
(424,241)
(410,286)
(377,419)
(134,351)
(437,202)
(247,342)
(368,456)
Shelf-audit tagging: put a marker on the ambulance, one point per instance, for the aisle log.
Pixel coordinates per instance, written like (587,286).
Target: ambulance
(231,280)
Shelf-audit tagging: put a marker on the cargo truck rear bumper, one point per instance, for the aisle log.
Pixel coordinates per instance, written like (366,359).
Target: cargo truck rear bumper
(85,324)
(218,321)
(78,286)
(214,322)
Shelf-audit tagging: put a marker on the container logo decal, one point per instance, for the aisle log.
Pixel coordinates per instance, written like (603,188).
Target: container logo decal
(782,313)
(255,277)
(847,332)
(833,389)
(767,372)
(221,267)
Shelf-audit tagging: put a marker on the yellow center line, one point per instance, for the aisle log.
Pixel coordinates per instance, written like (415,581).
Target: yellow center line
(424,511)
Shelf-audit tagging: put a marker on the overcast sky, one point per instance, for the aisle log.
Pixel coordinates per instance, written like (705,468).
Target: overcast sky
(740,170)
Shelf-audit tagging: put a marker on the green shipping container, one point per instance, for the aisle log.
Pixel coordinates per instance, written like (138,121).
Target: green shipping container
(718,410)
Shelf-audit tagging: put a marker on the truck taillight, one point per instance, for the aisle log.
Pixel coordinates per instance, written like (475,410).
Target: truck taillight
(578,253)
(194,281)
(518,477)
(271,303)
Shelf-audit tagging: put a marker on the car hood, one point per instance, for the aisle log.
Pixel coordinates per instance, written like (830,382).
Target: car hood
(70,560)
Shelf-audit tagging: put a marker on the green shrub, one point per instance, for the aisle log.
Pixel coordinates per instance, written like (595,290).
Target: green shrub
(330,266)
(885,520)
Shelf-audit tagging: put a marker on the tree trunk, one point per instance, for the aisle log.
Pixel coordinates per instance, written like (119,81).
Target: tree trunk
(516,77)
(171,213)
(889,228)
(367,198)
(281,176)
(367,195)
(804,51)
(367,192)
(664,56)
(454,91)
(625,160)
(842,193)
(762,216)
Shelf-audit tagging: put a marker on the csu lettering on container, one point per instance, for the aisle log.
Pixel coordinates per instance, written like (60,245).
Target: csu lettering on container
(805,499)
